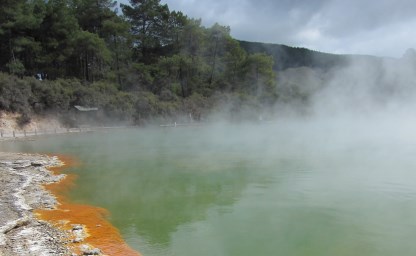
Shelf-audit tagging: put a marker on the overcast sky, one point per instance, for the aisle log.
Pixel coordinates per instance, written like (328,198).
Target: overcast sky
(375,27)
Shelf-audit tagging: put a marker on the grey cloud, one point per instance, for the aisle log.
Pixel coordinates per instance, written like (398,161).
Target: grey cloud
(349,17)
(381,27)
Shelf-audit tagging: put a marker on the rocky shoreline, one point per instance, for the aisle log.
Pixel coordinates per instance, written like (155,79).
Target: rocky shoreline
(21,192)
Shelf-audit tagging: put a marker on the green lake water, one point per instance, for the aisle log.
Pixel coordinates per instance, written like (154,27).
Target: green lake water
(275,189)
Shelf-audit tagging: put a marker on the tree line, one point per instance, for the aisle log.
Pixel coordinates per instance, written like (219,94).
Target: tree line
(141,60)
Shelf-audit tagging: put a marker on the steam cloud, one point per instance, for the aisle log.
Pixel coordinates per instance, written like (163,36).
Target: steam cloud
(364,88)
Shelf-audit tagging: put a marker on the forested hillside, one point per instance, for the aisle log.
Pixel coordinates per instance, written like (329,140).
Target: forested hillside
(293,57)
(137,63)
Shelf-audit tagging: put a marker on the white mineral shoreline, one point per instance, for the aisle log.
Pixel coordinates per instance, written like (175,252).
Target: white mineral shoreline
(21,192)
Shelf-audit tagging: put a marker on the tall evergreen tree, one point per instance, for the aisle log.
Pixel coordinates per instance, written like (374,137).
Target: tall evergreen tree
(149,22)
(56,33)
(116,34)
(19,22)
(90,45)
(91,14)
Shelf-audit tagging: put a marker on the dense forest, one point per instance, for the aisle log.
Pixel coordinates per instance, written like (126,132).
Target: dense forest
(286,57)
(134,63)
(293,57)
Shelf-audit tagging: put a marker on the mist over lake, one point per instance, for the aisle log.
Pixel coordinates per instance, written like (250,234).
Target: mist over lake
(255,127)
(321,187)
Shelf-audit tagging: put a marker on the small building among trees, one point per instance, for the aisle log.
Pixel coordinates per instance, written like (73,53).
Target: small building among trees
(85,115)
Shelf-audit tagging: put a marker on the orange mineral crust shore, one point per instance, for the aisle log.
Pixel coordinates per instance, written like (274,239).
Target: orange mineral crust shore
(98,231)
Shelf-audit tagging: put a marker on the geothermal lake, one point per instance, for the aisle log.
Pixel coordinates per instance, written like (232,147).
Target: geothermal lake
(289,188)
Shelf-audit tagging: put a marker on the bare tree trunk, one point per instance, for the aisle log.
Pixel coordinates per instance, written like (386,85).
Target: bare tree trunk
(213,62)
(117,61)
(87,75)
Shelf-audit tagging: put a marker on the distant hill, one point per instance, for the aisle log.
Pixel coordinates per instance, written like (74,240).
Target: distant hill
(310,80)
(293,57)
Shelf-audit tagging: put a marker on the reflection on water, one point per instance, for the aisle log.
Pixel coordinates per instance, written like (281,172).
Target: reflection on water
(249,190)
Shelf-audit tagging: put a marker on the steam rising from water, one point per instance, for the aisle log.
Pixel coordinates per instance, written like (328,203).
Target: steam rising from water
(337,179)
(293,187)
(369,87)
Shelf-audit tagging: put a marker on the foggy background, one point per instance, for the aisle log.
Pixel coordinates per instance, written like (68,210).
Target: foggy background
(382,28)
(365,87)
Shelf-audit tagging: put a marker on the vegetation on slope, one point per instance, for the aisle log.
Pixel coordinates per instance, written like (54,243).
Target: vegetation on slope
(142,62)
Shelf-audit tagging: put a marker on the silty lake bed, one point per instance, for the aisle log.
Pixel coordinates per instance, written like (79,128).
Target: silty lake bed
(287,188)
